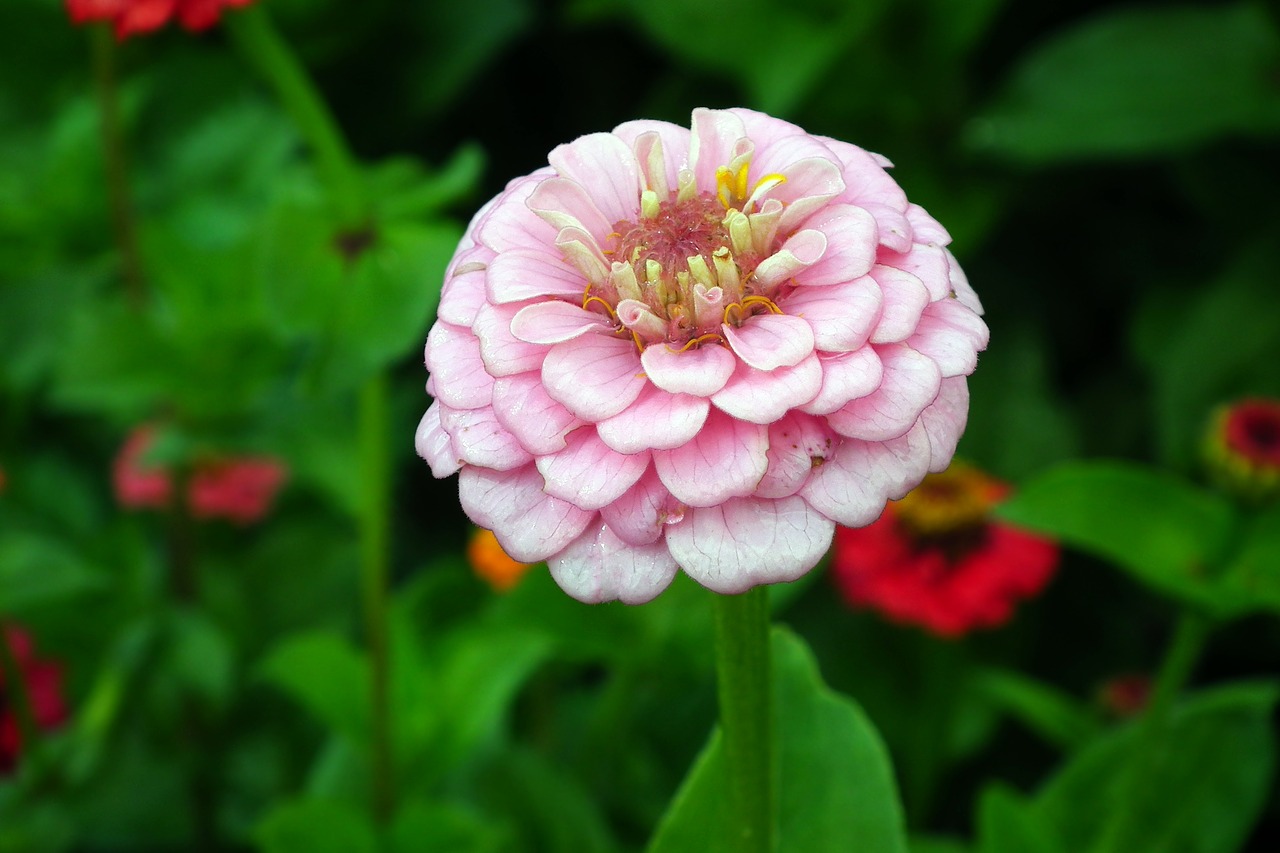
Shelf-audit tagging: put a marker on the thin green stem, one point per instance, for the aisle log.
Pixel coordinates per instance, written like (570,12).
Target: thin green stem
(15,690)
(374,576)
(746,716)
(1122,832)
(116,161)
(261,44)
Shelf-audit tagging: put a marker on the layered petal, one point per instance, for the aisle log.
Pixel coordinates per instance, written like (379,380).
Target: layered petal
(910,383)
(598,566)
(595,376)
(530,524)
(587,472)
(656,420)
(725,459)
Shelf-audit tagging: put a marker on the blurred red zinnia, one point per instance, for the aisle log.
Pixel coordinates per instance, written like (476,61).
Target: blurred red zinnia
(42,686)
(1243,448)
(240,489)
(144,16)
(934,558)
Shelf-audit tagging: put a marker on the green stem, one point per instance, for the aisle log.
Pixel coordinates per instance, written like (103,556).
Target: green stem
(17,695)
(746,716)
(262,45)
(374,576)
(116,161)
(1122,832)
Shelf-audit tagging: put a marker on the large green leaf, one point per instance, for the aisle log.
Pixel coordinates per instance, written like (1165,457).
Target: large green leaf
(1042,708)
(327,676)
(1208,777)
(316,826)
(36,571)
(1138,81)
(1252,576)
(1157,527)
(1006,824)
(836,790)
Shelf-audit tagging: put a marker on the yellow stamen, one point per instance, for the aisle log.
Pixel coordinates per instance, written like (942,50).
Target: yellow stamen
(762,300)
(701,339)
(607,307)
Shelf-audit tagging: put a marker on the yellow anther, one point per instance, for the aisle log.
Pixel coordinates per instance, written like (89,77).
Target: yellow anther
(607,307)
(762,300)
(699,340)
(730,307)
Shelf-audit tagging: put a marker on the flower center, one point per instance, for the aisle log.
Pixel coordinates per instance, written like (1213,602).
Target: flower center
(1253,430)
(685,267)
(950,504)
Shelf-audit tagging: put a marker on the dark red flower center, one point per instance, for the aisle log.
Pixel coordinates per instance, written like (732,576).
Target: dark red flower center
(1253,431)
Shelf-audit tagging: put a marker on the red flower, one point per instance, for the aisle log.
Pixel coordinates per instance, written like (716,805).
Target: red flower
(241,489)
(1125,695)
(143,16)
(935,560)
(43,688)
(1243,448)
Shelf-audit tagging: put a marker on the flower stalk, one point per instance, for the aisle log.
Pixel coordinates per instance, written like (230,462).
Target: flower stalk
(115,161)
(744,681)
(261,44)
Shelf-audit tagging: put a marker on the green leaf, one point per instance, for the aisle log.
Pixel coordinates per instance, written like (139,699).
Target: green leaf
(316,826)
(1157,527)
(199,656)
(37,571)
(1006,824)
(1138,81)
(326,676)
(836,789)
(1209,780)
(440,828)
(1047,711)
(935,844)
(1253,574)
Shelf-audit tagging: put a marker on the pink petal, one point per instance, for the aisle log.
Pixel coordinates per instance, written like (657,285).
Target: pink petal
(905,298)
(434,445)
(952,335)
(503,353)
(846,377)
(567,204)
(715,133)
(892,225)
(522,274)
(554,322)
(726,459)
(944,421)
(461,298)
(927,263)
(742,543)
(530,525)
(595,376)
(479,439)
(763,397)
(675,143)
(926,228)
(701,371)
(865,178)
(810,186)
(539,423)
(797,444)
(656,419)
(851,237)
(769,341)
(453,358)
(801,251)
(853,487)
(512,225)
(642,514)
(841,315)
(960,285)
(605,164)
(588,473)
(598,566)
(910,383)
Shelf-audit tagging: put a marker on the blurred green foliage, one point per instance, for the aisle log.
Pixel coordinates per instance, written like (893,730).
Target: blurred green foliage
(1108,172)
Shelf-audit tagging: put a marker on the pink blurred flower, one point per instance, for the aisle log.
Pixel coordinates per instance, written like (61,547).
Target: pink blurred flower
(240,489)
(141,16)
(42,684)
(696,348)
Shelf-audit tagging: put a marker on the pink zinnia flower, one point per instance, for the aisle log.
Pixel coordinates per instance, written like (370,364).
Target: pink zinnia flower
(42,684)
(936,560)
(141,16)
(698,349)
